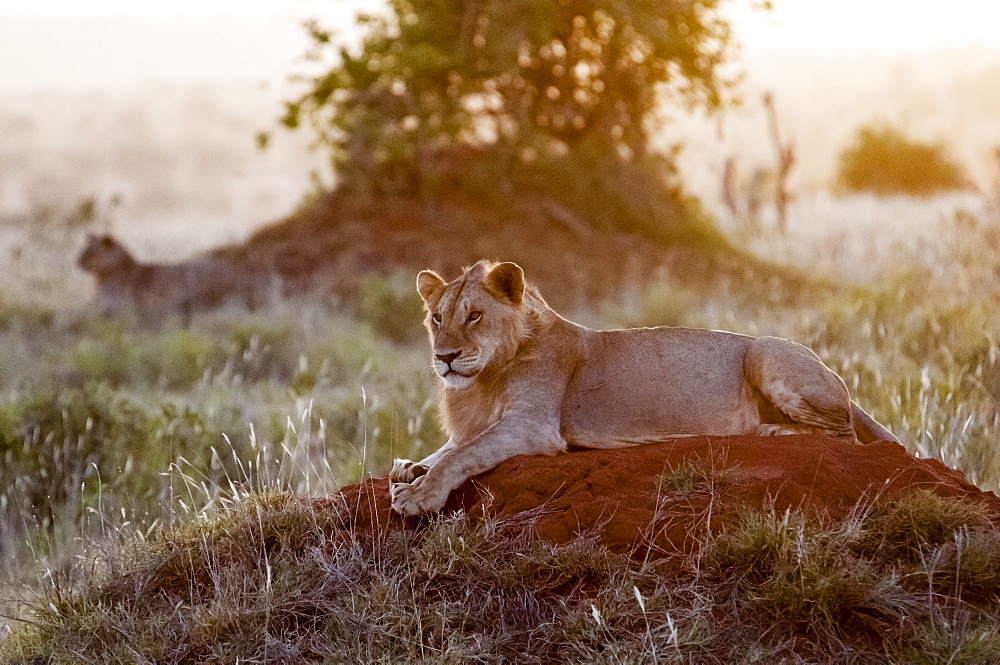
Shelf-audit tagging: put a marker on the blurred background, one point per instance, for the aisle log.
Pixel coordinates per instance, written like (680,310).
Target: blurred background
(156,108)
(211,216)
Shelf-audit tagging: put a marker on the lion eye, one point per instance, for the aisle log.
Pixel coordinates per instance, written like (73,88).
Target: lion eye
(436,318)
(474,316)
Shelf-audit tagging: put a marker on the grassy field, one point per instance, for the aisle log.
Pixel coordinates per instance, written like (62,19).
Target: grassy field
(124,445)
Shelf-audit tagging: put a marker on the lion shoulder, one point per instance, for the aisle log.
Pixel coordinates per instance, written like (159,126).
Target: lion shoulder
(537,371)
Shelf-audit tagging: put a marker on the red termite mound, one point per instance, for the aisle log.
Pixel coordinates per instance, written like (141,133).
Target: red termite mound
(661,497)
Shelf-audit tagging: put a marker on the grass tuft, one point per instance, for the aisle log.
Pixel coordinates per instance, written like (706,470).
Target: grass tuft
(276,577)
(919,521)
(691,477)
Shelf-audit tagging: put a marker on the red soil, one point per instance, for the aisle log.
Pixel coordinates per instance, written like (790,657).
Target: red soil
(624,497)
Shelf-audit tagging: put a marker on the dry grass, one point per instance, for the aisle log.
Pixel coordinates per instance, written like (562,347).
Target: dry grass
(154,477)
(269,577)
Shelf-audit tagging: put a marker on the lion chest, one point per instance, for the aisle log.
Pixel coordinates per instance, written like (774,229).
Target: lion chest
(469,413)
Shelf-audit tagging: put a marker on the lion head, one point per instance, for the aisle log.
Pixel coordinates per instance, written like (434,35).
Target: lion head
(477,322)
(103,255)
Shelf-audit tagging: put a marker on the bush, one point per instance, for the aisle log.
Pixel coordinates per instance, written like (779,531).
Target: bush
(391,307)
(281,578)
(884,162)
(62,448)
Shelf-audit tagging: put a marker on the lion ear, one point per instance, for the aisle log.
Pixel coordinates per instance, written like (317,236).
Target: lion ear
(506,282)
(429,285)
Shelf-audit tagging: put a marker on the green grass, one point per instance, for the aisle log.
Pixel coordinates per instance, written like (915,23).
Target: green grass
(132,452)
(104,423)
(692,477)
(274,577)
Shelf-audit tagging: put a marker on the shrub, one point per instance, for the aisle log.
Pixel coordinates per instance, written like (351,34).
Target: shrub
(68,450)
(884,162)
(917,522)
(391,307)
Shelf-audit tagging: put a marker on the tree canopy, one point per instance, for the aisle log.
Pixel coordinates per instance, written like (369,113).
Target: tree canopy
(520,85)
(883,161)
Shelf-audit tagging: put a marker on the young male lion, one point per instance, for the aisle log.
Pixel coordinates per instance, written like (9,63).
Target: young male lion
(157,290)
(518,379)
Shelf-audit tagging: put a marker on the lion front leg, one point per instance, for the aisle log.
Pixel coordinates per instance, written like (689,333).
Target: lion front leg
(455,464)
(419,488)
(406,471)
(419,497)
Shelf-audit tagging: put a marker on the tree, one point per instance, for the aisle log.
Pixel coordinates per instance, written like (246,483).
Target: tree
(494,95)
(883,161)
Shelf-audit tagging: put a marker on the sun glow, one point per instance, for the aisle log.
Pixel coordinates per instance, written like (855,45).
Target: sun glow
(867,26)
(130,8)
(68,43)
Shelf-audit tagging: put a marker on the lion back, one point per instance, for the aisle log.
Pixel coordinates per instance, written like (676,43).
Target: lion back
(157,290)
(196,285)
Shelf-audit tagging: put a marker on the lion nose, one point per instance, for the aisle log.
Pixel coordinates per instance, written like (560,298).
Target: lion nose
(448,357)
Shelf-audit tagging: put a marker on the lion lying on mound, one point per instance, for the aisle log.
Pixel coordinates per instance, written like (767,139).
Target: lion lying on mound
(156,290)
(519,379)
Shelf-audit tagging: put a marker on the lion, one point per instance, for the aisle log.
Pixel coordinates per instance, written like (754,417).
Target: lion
(516,378)
(156,290)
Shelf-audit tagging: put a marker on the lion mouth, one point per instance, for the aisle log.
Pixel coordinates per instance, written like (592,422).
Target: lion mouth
(455,372)
(446,369)
(454,379)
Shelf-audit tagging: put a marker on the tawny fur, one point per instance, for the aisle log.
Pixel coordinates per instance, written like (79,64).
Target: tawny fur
(517,378)
(157,290)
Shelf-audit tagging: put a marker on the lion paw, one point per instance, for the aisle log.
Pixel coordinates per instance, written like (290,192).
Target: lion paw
(416,498)
(774,429)
(406,471)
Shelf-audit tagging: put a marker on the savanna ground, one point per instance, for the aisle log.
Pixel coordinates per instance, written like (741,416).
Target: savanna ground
(127,446)
(155,482)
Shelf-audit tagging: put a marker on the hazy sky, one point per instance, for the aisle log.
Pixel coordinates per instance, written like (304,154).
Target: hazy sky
(859,26)
(99,43)
(94,43)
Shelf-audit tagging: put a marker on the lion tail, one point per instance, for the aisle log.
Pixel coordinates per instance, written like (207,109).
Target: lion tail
(867,428)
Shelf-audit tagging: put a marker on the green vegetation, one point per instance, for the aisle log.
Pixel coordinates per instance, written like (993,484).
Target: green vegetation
(885,162)
(499,101)
(105,423)
(274,577)
(160,478)
(692,478)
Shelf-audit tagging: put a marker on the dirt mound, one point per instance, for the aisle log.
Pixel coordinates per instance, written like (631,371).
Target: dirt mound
(665,495)
(324,248)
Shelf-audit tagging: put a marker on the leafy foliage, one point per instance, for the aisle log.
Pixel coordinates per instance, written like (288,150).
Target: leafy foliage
(498,97)
(103,422)
(883,161)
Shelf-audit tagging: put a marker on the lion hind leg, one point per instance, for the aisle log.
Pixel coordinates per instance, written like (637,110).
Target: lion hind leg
(793,380)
